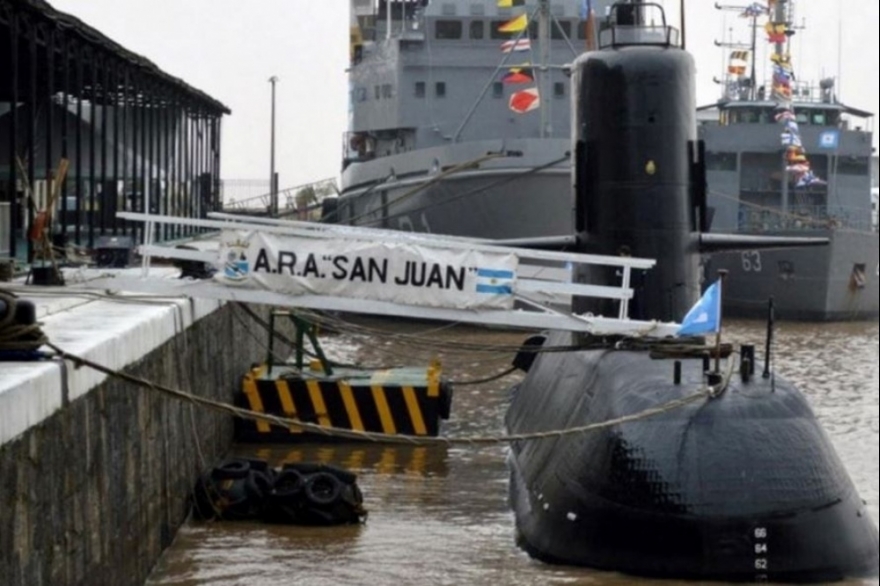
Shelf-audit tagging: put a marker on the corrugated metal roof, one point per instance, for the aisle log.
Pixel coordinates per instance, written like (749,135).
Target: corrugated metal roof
(71,24)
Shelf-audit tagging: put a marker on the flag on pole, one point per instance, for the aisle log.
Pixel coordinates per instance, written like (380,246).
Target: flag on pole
(705,316)
(515,25)
(516,46)
(510,3)
(519,75)
(754,10)
(525,101)
(586,8)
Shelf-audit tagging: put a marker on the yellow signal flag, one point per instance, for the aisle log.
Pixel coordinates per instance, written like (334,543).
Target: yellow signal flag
(510,3)
(520,23)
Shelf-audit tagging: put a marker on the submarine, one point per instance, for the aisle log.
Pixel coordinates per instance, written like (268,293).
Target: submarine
(743,486)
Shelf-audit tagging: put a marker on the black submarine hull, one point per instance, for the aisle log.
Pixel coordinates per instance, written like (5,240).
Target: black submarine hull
(742,488)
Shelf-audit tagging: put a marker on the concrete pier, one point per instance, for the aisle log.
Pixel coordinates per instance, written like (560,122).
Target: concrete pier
(95,473)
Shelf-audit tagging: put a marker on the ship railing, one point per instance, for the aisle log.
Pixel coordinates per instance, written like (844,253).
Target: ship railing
(617,36)
(489,299)
(626,25)
(804,218)
(287,197)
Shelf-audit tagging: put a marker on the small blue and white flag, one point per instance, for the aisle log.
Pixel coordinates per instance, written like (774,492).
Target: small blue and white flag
(495,282)
(705,316)
(829,140)
(586,8)
(789,139)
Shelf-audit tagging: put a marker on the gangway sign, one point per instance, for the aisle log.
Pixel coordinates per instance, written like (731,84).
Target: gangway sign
(381,272)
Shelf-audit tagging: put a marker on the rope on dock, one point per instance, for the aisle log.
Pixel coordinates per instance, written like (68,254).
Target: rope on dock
(18,337)
(281,359)
(703,394)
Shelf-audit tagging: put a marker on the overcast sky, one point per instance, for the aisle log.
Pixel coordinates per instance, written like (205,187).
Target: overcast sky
(230,49)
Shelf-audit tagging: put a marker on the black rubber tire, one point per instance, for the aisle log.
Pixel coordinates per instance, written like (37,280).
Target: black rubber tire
(258,465)
(231,470)
(288,484)
(323,489)
(7,309)
(344,476)
(258,486)
(203,506)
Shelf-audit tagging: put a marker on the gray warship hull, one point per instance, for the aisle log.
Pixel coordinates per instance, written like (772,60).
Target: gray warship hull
(834,283)
(524,195)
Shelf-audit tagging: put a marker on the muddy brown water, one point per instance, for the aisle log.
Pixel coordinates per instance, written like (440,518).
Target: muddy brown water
(438,516)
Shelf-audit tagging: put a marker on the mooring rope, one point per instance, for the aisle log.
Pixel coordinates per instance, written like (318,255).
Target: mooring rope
(282,360)
(705,393)
(16,337)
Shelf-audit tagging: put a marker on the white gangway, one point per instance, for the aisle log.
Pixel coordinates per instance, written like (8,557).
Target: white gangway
(381,272)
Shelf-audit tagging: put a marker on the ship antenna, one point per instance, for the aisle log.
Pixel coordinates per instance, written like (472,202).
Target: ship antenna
(544,37)
(768,349)
(722,277)
(683,26)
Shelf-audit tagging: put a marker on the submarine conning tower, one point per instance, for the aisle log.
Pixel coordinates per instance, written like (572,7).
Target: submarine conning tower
(637,180)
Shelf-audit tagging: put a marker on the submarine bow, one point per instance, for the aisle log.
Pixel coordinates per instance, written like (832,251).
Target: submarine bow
(745,487)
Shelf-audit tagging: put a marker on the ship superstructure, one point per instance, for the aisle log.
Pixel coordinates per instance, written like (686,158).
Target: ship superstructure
(787,156)
(460,116)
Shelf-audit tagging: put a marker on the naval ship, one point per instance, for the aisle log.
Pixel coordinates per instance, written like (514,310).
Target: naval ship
(459,116)
(437,142)
(790,158)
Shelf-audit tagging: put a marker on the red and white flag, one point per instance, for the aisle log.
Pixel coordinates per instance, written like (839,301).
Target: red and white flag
(525,101)
(518,45)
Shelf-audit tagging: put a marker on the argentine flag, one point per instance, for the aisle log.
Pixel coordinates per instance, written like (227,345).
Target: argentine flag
(495,282)
(705,316)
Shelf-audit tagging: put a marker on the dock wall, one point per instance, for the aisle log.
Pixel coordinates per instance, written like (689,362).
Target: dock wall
(94,488)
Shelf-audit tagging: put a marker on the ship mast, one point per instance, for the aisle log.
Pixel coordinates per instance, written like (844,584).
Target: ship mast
(752,47)
(544,39)
(780,15)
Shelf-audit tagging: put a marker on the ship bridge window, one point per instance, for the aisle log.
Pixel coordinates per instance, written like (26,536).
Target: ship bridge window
(720,161)
(854,166)
(448,29)
(498,90)
(820,119)
(494,33)
(559,89)
(749,116)
(440,89)
(420,89)
(478,30)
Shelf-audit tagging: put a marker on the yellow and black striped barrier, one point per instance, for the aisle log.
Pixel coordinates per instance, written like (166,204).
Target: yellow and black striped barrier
(402,401)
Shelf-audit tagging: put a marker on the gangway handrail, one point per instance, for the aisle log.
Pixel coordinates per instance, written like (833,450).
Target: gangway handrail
(334,231)
(305,296)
